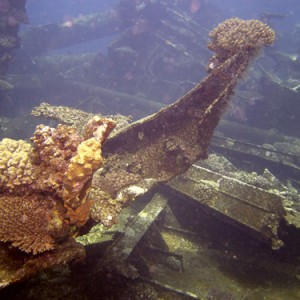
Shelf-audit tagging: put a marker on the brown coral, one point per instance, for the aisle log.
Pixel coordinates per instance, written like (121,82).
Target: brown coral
(53,144)
(235,35)
(32,222)
(52,150)
(99,128)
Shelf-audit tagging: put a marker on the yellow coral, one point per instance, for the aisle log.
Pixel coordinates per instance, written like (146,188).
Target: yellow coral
(79,172)
(78,177)
(15,163)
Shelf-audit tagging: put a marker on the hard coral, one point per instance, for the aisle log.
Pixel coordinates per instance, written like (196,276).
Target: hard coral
(99,128)
(31,223)
(76,180)
(52,151)
(44,188)
(51,145)
(15,164)
(235,35)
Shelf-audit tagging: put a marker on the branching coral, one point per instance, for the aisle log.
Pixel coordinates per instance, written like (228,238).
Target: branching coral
(44,187)
(235,36)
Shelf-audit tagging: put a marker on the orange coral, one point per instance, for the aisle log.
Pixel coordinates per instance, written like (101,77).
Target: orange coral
(79,215)
(77,178)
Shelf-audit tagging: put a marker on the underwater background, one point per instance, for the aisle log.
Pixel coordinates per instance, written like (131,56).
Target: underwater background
(108,68)
(228,227)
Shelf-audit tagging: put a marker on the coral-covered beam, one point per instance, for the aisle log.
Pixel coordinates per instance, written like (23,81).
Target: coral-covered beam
(165,144)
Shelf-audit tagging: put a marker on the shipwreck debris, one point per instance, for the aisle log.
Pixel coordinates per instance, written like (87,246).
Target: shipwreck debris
(147,152)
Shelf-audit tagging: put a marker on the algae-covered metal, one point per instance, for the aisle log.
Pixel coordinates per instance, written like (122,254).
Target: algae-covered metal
(253,209)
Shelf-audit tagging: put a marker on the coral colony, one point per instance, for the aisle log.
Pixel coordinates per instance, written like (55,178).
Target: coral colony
(44,186)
